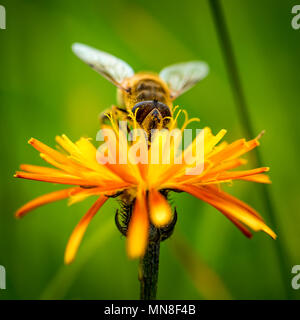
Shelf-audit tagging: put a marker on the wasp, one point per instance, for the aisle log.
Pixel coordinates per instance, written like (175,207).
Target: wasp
(148,96)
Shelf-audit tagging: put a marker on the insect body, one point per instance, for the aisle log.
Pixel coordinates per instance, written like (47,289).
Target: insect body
(149,99)
(149,96)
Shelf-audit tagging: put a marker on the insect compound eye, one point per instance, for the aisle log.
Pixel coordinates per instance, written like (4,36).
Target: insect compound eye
(143,108)
(163,109)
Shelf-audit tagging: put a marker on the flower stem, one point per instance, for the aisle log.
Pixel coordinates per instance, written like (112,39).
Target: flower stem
(149,271)
(243,111)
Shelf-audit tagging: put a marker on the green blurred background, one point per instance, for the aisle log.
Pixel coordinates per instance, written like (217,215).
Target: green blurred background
(45,90)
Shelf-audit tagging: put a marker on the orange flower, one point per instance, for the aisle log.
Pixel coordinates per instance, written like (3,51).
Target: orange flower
(78,165)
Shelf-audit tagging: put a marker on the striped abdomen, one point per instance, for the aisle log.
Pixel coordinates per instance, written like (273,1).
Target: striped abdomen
(148,89)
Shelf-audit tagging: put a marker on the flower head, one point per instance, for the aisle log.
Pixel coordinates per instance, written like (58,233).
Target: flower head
(142,182)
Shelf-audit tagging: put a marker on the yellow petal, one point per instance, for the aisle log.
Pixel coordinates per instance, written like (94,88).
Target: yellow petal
(230,206)
(137,237)
(59,178)
(77,234)
(45,199)
(41,170)
(260,178)
(57,156)
(233,175)
(160,211)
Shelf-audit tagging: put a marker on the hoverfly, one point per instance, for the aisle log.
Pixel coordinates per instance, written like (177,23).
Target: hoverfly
(149,96)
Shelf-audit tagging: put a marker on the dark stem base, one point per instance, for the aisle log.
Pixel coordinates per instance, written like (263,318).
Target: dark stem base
(148,274)
(149,264)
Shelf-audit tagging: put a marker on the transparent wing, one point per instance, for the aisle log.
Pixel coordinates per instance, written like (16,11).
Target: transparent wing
(182,76)
(110,67)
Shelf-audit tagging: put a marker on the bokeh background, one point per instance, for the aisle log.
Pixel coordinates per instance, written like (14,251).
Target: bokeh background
(45,90)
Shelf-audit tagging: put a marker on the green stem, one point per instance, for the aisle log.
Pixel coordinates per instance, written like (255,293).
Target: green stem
(149,271)
(243,112)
